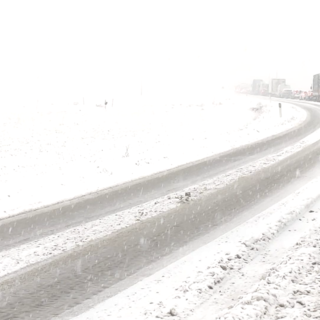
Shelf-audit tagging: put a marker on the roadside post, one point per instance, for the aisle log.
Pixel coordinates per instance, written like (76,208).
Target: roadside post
(280,110)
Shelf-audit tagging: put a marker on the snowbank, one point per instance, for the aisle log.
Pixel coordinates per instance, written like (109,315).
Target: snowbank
(289,289)
(54,152)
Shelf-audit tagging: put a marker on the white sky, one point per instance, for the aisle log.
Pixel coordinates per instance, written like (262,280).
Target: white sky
(106,48)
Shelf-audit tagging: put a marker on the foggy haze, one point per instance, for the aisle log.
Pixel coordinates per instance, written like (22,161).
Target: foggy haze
(148,170)
(168,48)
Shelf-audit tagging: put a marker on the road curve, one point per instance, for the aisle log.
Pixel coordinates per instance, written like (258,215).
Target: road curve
(95,268)
(39,223)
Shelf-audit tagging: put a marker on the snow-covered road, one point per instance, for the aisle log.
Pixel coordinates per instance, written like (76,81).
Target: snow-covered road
(47,247)
(267,268)
(70,152)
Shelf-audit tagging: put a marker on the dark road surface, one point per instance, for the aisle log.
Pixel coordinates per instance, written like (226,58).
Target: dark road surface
(96,267)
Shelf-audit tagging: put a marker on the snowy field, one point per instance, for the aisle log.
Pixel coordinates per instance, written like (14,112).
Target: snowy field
(52,152)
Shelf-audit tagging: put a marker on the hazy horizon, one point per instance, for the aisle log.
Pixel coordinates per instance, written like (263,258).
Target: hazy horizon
(172,48)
